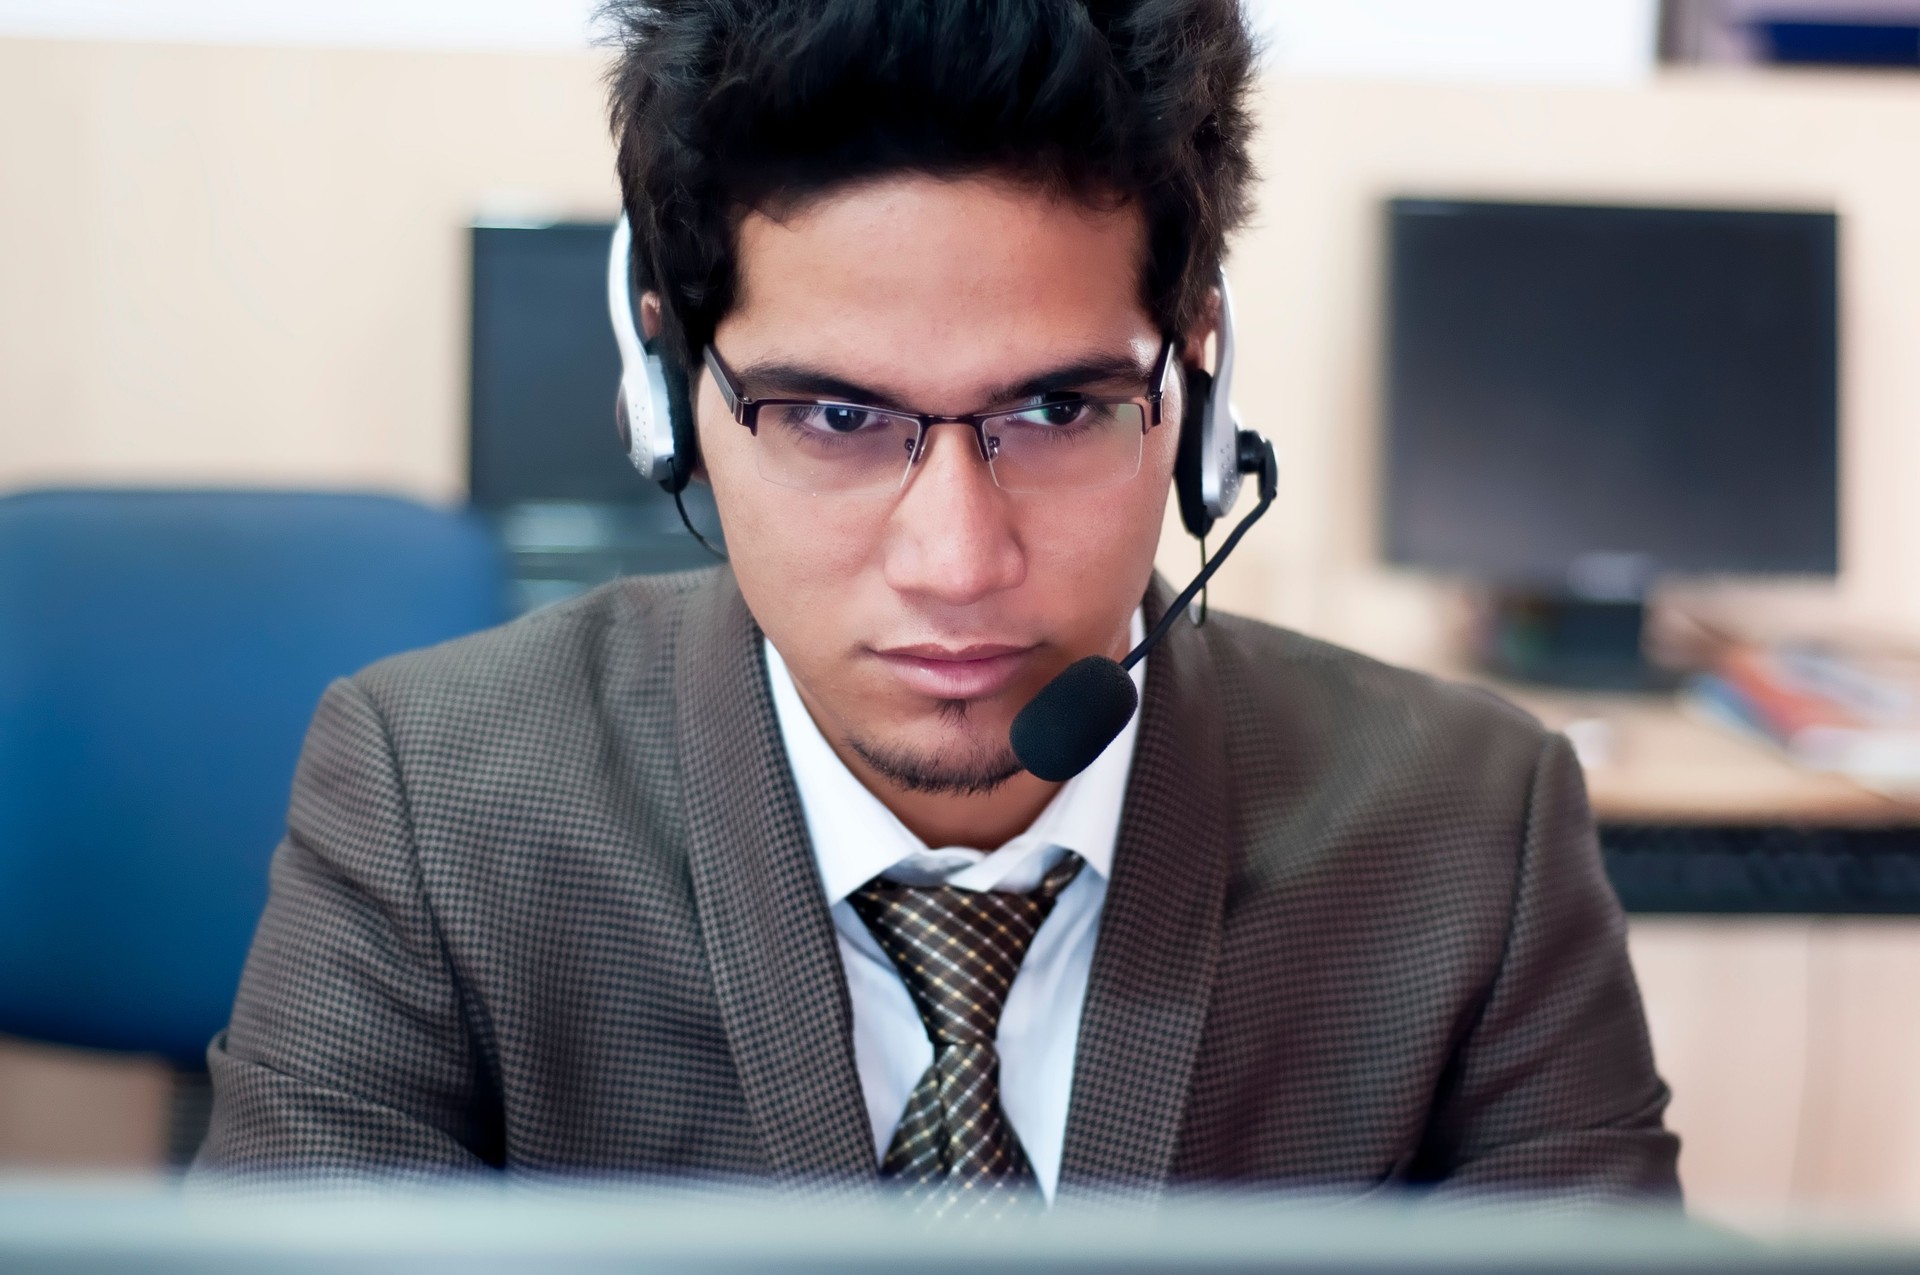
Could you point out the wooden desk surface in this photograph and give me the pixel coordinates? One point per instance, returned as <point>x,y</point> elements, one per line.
<point>1660,764</point>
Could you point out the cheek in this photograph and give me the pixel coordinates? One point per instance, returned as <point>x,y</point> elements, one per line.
<point>800,545</point>
<point>1162,446</point>
<point>1116,532</point>
<point>792,553</point>
<point>1101,540</point>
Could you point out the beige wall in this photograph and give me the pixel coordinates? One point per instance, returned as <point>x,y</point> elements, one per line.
<point>247,266</point>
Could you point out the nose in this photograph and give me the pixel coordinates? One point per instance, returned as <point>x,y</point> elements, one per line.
<point>953,538</point>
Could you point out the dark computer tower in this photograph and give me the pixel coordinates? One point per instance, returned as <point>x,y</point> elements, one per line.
<point>544,462</point>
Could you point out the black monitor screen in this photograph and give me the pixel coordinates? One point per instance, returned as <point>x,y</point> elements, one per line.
<point>545,371</point>
<point>1650,389</point>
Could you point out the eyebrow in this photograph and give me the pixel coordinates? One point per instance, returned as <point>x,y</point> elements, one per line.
<point>775,378</point>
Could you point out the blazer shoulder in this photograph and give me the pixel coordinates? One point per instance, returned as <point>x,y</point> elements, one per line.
<point>543,662</point>
<point>1292,696</point>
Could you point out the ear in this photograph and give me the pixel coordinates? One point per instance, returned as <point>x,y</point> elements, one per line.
<point>1195,342</point>
<point>650,316</point>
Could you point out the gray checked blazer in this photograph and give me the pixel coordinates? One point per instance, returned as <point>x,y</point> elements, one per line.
<point>546,904</point>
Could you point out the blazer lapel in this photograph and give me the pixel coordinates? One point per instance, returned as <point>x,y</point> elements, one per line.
<point>763,915</point>
<point>1153,966</point>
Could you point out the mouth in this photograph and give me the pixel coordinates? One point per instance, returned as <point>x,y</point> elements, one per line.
<point>957,673</point>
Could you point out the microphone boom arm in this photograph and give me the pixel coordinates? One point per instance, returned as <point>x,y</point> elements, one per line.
<point>1086,705</point>
<point>1256,454</point>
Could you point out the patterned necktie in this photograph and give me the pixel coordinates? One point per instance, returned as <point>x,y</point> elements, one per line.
<point>954,1153</point>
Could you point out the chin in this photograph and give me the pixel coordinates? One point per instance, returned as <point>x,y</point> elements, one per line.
<point>954,726</point>
<point>890,718</point>
<point>952,758</point>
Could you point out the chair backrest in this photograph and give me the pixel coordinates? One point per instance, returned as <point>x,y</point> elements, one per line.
<point>161,654</point>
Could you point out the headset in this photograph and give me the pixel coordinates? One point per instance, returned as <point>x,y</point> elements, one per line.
<point>652,410</point>
<point>1076,715</point>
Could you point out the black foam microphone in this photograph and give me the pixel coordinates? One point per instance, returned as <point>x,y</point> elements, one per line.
<point>1076,715</point>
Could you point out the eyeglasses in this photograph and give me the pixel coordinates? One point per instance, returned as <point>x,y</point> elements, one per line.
<point>1057,443</point>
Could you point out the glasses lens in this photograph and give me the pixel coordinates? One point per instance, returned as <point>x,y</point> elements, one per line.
<point>1076,443</point>
<point>837,447</point>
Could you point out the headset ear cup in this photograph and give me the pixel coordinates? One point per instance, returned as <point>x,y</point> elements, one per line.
<point>680,419</point>
<point>1192,453</point>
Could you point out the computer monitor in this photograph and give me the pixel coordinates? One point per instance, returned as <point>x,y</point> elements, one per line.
<point>1582,399</point>
<point>545,370</point>
<point>543,457</point>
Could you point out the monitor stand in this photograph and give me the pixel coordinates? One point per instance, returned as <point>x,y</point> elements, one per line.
<point>1558,639</point>
<point>559,549</point>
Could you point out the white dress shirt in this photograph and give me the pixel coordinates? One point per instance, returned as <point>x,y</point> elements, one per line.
<point>856,838</point>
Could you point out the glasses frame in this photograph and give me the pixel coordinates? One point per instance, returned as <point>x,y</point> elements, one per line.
<point>746,410</point>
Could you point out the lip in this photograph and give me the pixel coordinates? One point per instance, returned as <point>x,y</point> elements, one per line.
<point>965,672</point>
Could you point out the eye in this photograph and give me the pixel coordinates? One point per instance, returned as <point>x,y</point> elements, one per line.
<point>833,418</point>
<point>1060,413</point>
<point>844,420</point>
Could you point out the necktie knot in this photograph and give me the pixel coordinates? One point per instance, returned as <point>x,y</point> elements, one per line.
<point>959,950</point>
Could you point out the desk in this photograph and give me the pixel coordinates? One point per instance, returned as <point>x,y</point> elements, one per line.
<point>1695,819</point>
<point>1669,767</point>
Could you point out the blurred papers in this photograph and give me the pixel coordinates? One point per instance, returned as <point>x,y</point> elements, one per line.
<point>1856,715</point>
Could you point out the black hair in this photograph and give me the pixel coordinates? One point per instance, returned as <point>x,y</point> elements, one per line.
<point>722,106</point>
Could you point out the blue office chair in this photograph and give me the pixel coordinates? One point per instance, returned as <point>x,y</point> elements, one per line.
<point>161,654</point>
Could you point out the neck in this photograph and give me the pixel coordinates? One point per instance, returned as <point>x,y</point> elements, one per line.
<point>979,821</point>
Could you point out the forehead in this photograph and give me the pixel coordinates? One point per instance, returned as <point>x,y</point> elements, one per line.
<point>935,285</point>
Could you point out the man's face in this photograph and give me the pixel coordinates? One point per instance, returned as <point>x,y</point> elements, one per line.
<point>918,621</point>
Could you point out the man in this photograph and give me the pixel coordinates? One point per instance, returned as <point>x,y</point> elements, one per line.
<point>734,873</point>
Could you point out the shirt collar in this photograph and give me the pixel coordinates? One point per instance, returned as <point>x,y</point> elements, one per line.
<point>856,838</point>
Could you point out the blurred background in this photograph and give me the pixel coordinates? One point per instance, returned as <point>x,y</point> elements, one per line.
<point>1588,334</point>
